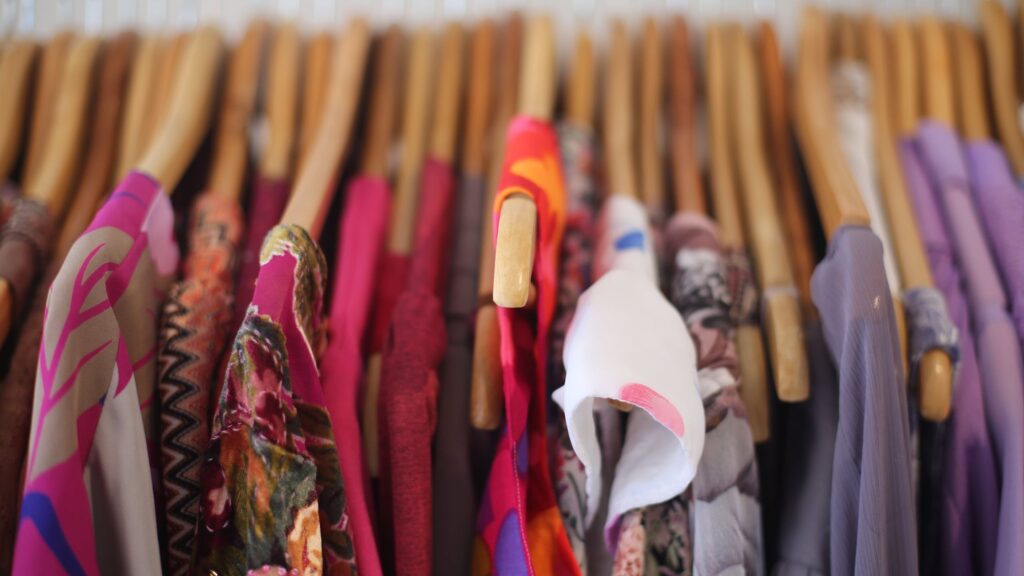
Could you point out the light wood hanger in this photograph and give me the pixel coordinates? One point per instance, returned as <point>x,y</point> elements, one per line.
<point>135,130</point>
<point>383,115</point>
<point>725,203</point>
<point>970,83</point>
<point>619,139</point>
<point>164,83</point>
<point>782,320</point>
<point>16,63</point>
<point>682,84</point>
<point>999,54</point>
<point>51,68</point>
<point>60,160</point>
<point>935,372</point>
<point>835,192</point>
<point>780,145</point>
<point>486,398</point>
<point>449,96</point>
<point>907,98</point>
<point>230,153</point>
<point>314,185</point>
<point>188,112</point>
<point>938,81</point>
<point>385,85</point>
<point>101,149</point>
<point>516,237</point>
<point>479,99</point>
<point>316,71</point>
<point>580,92</point>
<point>283,93</point>
<point>650,166</point>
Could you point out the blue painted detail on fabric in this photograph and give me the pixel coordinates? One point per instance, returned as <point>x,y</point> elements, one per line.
<point>632,240</point>
<point>523,453</point>
<point>509,556</point>
<point>37,508</point>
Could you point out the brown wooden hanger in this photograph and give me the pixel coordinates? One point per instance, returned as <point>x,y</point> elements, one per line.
<point>650,165</point>
<point>479,100</point>
<point>935,373</point>
<point>51,70</point>
<point>16,64</point>
<point>580,93</point>
<point>187,115</point>
<point>999,54</point>
<point>725,203</point>
<point>282,106</point>
<point>164,82</point>
<point>618,116</point>
<point>101,148</point>
<point>135,130</point>
<point>315,73</point>
<point>939,99</point>
<point>314,186</point>
<point>446,115</point>
<point>230,152</point>
<point>682,84</point>
<point>487,394</point>
<point>383,115</point>
<point>782,320</point>
<point>515,241</point>
<point>973,111</point>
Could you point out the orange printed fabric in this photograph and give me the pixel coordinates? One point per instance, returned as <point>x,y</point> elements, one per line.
<point>519,528</point>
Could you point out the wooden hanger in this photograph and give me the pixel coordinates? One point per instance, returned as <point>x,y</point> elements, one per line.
<point>60,160</point>
<point>314,186</point>
<point>383,114</point>
<point>164,83</point>
<point>283,68</point>
<point>999,51</point>
<point>619,140</point>
<point>938,78</point>
<point>479,97</point>
<point>780,146</point>
<point>51,68</point>
<point>317,69</point>
<point>101,149</point>
<point>515,240</point>
<point>188,112</point>
<point>907,97</point>
<point>449,96</point>
<point>970,84</point>
<point>230,153</point>
<point>782,320</point>
<point>135,130</point>
<point>650,167</point>
<point>935,373</point>
<point>16,63</point>
<point>682,84</point>
<point>580,93</point>
<point>836,195</point>
<point>487,394</point>
<point>725,203</point>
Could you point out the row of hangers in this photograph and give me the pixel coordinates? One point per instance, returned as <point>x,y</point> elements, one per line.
<point>753,181</point>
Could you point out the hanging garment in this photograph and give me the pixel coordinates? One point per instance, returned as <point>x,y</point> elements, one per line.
<point>272,488</point>
<point>519,529</point>
<point>195,329</point>
<point>577,150</point>
<point>408,384</point>
<point>364,224</point>
<point>454,493</point>
<point>872,511</point>
<point>266,204</point>
<point>808,452</point>
<point>1001,207</point>
<point>970,503</point>
<point>88,506</point>
<point>999,354</point>
<point>24,244</point>
<point>9,196</point>
<point>627,343</point>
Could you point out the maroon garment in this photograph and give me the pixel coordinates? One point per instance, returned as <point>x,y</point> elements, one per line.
<point>391,282</point>
<point>266,204</point>
<point>408,387</point>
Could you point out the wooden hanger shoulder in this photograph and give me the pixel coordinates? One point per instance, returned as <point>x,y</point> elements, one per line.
<point>230,153</point>
<point>385,86</point>
<point>138,103</point>
<point>970,83</point>
<point>316,70</point>
<point>16,64</point>
<point>907,94</point>
<point>47,83</point>
<point>447,103</point>
<point>938,65</point>
<point>581,89</point>
<point>722,178</point>
<point>682,88</point>
<point>999,55</point>
<point>650,167</point>
<point>283,91</point>
<point>479,99</point>
<point>314,186</point>
<point>619,138</point>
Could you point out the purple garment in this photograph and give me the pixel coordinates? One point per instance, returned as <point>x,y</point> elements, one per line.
<point>997,346</point>
<point>1001,205</point>
<point>970,509</point>
<point>872,525</point>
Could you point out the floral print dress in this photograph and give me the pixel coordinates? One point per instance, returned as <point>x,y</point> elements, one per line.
<point>272,493</point>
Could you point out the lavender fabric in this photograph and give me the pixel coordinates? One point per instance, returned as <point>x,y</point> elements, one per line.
<point>999,359</point>
<point>810,440</point>
<point>872,513</point>
<point>1001,207</point>
<point>970,502</point>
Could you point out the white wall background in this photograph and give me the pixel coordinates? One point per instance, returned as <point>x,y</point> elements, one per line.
<point>41,18</point>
